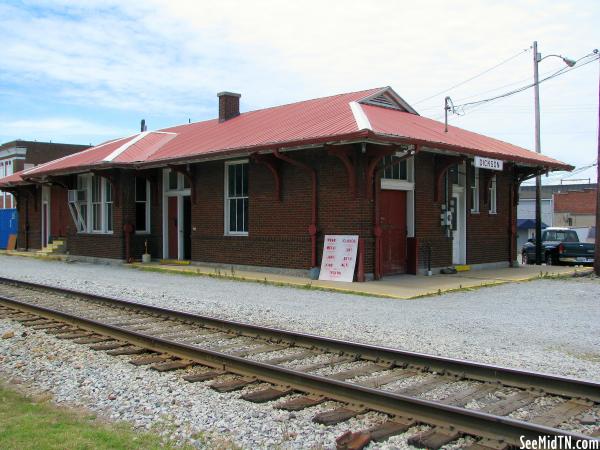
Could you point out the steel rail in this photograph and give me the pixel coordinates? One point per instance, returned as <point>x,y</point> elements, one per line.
<point>551,384</point>
<point>464,420</point>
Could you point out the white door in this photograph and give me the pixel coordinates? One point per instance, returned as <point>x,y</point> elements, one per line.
<point>459,235</point>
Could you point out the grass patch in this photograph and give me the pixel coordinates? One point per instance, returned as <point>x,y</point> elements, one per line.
<point>26,423</point>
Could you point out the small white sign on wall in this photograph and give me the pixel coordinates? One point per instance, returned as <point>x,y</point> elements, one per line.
<point>488,163</point>
<point>339,258</point>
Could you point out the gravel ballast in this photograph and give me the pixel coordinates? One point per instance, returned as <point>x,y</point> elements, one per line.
<point>546,325</point>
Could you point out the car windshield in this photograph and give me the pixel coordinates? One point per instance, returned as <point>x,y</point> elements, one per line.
<point>562,236</point>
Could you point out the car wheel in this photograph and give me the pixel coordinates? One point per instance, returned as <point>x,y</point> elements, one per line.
<point>549,260</point>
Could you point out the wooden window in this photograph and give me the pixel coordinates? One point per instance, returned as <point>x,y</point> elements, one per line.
<point>142,205</point>
<point>397,171</point>
<point>493,196</point>
<point>236,197</point>
<point>475,190</point>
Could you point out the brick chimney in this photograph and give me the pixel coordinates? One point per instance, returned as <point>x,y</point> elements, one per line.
<point>229,105</point>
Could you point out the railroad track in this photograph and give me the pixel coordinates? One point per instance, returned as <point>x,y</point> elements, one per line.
<point>496,406</point>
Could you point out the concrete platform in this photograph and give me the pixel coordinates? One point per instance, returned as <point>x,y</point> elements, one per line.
<point>398,286</point>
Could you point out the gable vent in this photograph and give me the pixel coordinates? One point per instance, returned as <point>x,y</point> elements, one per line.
<point>385,101</point>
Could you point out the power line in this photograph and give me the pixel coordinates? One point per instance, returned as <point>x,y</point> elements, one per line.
<point>472,78</point>
<point>562,71</point>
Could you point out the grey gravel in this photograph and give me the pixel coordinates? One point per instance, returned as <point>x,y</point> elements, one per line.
<point>546,325</point>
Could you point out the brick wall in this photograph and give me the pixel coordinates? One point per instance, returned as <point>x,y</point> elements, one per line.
<point>488,235</point>
<point>30,219</point>
<point>278,230</point>
<point>427,215</point>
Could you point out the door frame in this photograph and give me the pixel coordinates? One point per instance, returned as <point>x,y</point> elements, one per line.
<point>459,193</point>
<point>179,193</point>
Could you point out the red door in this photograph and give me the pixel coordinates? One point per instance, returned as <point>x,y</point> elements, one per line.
<point>59,212</point>
<point>392,213</point>
<point>173,232</point>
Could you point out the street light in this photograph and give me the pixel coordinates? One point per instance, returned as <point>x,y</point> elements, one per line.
<point>537,58</point>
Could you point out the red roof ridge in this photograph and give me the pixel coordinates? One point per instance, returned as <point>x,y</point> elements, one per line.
<point>368,93</point>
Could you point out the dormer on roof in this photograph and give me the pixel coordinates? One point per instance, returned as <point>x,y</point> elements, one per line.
<point>388,98</point>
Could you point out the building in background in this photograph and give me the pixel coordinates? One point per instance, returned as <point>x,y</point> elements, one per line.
<point>563,205</point>
<point>19,155</point>
<point>577,210</point>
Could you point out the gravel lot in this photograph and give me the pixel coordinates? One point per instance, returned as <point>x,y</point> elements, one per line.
<point>547,325</point>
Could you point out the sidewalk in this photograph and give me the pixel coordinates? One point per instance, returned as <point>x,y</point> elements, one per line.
<point>398,286</point>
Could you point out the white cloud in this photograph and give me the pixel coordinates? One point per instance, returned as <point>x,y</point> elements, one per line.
<point>169,57</point>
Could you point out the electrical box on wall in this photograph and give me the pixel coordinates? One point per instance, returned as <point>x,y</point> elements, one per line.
<point>446,217</point>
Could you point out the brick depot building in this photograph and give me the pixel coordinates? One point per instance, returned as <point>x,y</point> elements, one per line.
<point>263,188</point>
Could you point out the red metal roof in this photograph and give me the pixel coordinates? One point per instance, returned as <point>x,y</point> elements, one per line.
<point>12,180</point>
<point>326,119</point>
<point>430,132</point>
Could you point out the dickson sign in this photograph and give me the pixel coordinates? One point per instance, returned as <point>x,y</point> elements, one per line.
<point>488,163</point>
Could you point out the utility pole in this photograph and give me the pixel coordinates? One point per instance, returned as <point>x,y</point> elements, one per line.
<point>597,252</point>
<point>538,149</point>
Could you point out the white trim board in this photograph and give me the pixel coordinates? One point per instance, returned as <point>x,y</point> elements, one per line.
<point>362,121</point>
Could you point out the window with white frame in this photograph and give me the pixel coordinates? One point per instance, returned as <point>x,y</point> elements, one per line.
<point>236,197</point>
<point>108,206</point>
<point>175,181</point>
<point>93,209</point>
<point>398,171</point>
<point>82,185</point>
<point>475,190</point>
<point>493,196</point>
<point>142,205</point>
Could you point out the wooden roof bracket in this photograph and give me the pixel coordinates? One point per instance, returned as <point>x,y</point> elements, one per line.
<point>111,178</point>
<point>375,157</point>
<point>183,170</point>
<point>442,165</point>
<point>272,164</point>
<point>343,154</point>
<point>54,181</point>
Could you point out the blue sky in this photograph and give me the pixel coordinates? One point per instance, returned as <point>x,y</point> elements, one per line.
<point>87,71</point>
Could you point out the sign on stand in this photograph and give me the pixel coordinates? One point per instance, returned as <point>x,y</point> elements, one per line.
<point>339,258</point>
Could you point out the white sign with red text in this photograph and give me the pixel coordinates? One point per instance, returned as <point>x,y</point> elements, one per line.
<point>339,258</point>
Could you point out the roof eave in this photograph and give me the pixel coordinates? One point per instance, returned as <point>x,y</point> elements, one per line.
<point>470,151</point>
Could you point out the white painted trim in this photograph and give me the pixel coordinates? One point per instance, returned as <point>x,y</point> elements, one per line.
<point>226,231</point>
<point>399,100</point>
<point>459,193</point>
<point>362,121</point>
<point>125,146</point>
<point>148,206</point>
<point>179,194</point>
<point>13,151</point>
<point>116,153</point>
<point>397,185</point>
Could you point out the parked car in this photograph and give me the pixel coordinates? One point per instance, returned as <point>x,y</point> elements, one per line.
<point>559,246</point>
